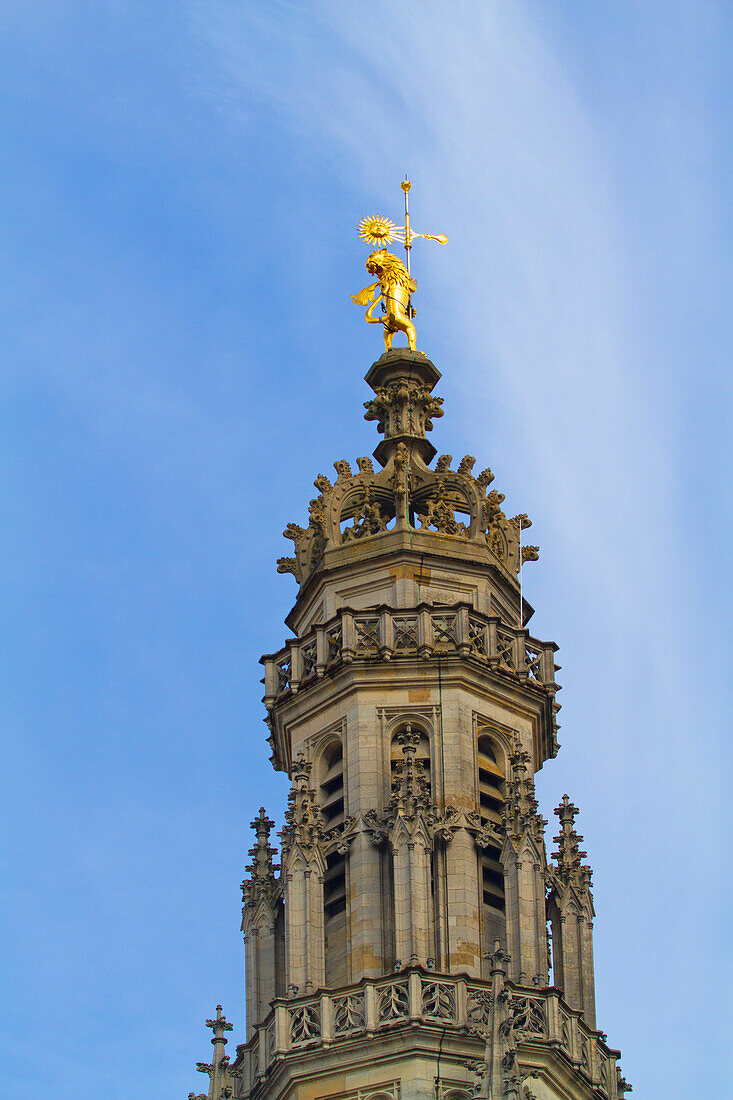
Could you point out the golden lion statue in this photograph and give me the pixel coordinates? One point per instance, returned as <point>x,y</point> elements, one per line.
<point>395,288</point>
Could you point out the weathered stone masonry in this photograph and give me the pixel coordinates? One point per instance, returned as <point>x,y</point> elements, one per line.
<point>414,940</point>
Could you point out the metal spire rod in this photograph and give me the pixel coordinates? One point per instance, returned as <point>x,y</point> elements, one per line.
<point>406,185</point>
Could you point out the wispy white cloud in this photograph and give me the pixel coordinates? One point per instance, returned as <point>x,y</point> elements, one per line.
<point>163,159</point>
<point>533,293</point>
<point>534,308</point>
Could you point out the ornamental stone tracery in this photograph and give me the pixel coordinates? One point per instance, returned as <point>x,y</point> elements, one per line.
<point>450,503</point>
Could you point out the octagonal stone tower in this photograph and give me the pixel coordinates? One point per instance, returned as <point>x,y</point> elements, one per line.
<point>415,941</point>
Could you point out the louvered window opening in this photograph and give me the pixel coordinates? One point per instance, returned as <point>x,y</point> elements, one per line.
<point>491,800</point>
<point>334,879</point>
<point>332,787</point>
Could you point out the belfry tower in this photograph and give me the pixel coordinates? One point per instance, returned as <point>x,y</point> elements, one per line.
<point>415,942</point>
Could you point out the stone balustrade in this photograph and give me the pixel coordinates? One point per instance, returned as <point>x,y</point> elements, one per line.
<point>387,633</point>
<point>541,1017</point>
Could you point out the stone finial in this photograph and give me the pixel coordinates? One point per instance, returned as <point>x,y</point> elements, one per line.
<point>218,1069</point>
<point>322,484</point>
<point>498,959</point>
<point>262,824</point>
<point>408,739</point>
<point>519,812</point>
<point>304,823</point>
<point>301,768</point>
<point>261,882</point>
<point>288,565</point>
<point>343,469</point>
<point>219,1026</point>
<point>410,790</point>
<point>569,855</point>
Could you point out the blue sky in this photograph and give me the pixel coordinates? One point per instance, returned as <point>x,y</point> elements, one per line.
<point>181,186</point>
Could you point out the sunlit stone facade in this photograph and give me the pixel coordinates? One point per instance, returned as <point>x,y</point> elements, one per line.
<point>414,941</point>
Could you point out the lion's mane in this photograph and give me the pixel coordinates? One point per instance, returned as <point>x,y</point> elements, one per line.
<point>383,263</point>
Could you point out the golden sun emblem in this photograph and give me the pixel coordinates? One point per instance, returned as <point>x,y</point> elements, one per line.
<point>379,232</point>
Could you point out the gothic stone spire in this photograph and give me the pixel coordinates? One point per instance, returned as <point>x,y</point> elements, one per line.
<point>569,856</point>
<point>571,913</point>
<point>304,826</point>
<point>218,1069</point>
<point>410,792</point>
<point>261,883</point>
<point>519,813</point>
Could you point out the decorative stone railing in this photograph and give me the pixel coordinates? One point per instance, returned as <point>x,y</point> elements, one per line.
<point>298,1025</point>
<point>387,633</point>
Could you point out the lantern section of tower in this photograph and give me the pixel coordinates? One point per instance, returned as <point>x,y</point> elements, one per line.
<point>414,939</point>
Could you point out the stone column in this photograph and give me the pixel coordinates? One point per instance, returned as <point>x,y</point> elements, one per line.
<point>524,893</point>
<point>267,985</point>
<point>411,847</point>
<point>464,932</point>
<point>295,922</point>
<point>420,910</point>
<point>588,982</point>
<point>315,977</point>
<point>401,842</point>
<point>304,932</point>
<point>303,865</point>
<point>567,930</point>
<point>365,908</point>
<point>524,862</point>
<point>364,781</point>
<point>252,982</point>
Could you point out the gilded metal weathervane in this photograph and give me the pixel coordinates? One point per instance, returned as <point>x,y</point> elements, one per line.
<point>394,280</point>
